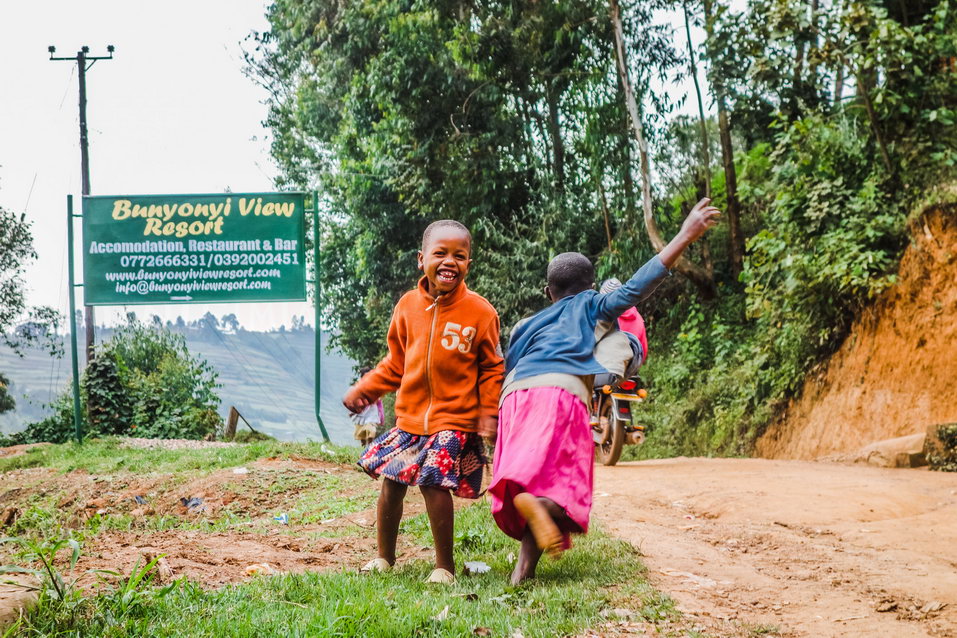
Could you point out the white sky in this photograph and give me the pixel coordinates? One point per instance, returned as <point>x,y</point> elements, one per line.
<point>171,113</point>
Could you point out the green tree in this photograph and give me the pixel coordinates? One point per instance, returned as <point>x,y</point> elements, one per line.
<point>20,325</point>
<point>504,115</point>
<point>6,401</point>
<point>534,123</point>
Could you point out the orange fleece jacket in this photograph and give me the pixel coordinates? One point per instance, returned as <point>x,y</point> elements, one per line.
<point>444,359</point>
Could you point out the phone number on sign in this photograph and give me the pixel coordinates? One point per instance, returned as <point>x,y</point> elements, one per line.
<point>214,259</point>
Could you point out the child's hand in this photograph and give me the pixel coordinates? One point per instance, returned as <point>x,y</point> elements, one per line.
<point>354,401</point>
<point>488,427</point>
<point>702,217</point>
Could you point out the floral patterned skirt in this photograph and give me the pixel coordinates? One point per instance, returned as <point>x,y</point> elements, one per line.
<point>449,459</point>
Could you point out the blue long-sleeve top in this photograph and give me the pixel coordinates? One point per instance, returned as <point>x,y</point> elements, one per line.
<point>562,337</point>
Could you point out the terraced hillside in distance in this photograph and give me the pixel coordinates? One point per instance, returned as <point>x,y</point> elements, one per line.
<point>268,376</point>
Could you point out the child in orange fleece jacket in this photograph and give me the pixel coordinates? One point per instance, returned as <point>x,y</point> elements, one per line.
<point>446,363</point>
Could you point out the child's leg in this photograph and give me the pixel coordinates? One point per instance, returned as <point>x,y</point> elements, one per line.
<point>534,508</point>
<point>388,516</point>
<point>438,503</point>
<point>527,559</point>
<point>559,515</point>
<point>543,517</point>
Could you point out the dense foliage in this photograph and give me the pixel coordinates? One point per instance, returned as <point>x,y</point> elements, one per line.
<point>833,120</point>
<point>506,116</point>
<point>143,382</point>
<point>827,189</point>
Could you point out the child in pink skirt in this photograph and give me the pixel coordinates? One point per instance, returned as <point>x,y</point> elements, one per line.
<point>541,488</point>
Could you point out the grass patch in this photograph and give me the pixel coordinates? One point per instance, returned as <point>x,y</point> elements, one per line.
<point>567,597</point>
<point>333,506</point>
<point>106,456</point>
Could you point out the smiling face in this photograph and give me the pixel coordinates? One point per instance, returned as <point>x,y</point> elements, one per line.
<point>445,259</point>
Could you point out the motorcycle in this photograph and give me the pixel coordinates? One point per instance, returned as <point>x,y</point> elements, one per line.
<point>612,425</point>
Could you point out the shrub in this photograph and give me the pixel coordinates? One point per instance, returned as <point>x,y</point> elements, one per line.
<point>942,449</point>
<point>143,382</point>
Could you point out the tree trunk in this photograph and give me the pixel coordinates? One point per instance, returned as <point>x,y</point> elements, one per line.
<point>872,118</point>
<point>813,60</point>
<point>705,142</point>
<point>605,212</point>
<point>838,84</point>
<point>733,208</point>
<point>695,274</point>
<point>555,133</point>
<point>627,178</point>
<point>797,80</point>
<point>804,45</point>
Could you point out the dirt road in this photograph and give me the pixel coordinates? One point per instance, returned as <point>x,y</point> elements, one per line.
<point>792,548</point>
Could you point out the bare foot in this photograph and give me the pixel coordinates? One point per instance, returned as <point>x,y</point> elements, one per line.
<point>527,559</point>
<point>547,535</point>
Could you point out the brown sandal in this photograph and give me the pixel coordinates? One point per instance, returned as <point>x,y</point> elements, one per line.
<point>547,535</point>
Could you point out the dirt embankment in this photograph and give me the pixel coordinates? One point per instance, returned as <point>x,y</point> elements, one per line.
<point>895,374</point>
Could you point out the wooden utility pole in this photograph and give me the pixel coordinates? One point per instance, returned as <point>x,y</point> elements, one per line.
<point>705,141</point>
<point>81,58</point>
<point>695,273</point>
<point>733,206</point>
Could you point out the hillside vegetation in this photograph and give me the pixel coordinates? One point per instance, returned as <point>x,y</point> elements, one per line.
<point>894,374</point>
<point>527,121</point>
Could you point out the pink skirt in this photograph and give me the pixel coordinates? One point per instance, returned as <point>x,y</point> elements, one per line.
<point>544,447</point>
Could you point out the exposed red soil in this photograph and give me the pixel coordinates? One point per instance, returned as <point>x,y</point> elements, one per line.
<point>802,549</point>
<point>895,374</point>
<point>248,494</point>
<point>17,450</point>
<point>217,558</point>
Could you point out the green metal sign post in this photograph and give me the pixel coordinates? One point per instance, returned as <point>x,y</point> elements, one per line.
<point>204,248</point>
<point>77,417</point>
<point>318,289</point>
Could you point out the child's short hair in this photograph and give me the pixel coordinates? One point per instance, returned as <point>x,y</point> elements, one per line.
<point>444,223</point>
<point>569,274</point>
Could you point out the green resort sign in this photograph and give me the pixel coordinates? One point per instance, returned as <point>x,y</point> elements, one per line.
<point>160,249</point>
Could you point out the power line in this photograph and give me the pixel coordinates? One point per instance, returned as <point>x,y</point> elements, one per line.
<point>58,360</point>
<point>66,89</point>
<point>30,194</point>
<point>294,350</point>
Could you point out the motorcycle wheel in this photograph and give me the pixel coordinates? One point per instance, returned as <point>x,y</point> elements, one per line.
<point>609,452</point>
